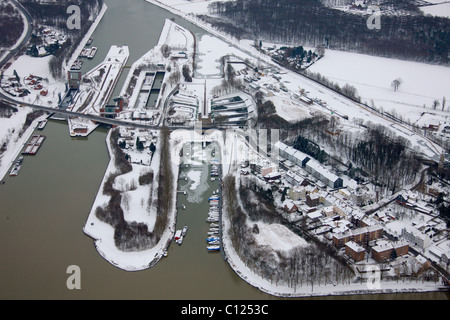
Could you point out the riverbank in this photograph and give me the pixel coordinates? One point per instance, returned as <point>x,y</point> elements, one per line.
<point>9,129</point>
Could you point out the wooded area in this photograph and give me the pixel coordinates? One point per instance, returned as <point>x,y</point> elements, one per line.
<point>308,22</point>
<point>11,25</point>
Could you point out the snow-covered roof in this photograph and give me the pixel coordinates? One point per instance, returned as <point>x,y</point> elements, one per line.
<point>354,246</point>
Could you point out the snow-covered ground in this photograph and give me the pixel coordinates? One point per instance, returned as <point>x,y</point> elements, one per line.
<point>26,66</point>
<point>372,77</point>
<point>441,8</point>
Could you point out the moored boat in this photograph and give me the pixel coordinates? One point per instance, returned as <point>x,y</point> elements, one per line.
<point>183,232</point>
<point>213,248</point>
<point>91,54</point>
<point>42,124</point>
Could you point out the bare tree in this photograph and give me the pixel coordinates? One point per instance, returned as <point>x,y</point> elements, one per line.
<point>435,104</point>
<point>396,83</point>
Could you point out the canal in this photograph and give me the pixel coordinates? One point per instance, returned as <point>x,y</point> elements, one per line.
<point>43,209</point>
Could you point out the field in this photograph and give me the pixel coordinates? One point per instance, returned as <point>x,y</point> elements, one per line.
<point>372,77</point>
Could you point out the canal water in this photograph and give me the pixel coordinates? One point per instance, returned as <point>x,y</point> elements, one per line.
<point>43,209</point>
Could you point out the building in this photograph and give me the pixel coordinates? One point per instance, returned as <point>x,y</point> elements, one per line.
<point>312,199</point>
<point>300,192</point>
<point>289,206</point>
<point>111,111</point>
<point>360,235</point>
<point>74,79</point>
<point>382,251</point>
<point>294,179</point>
<point>385,250</point>
<point>328,178</point>
<point>401,247</point>
<point>297,157</point>
<point>416,238</point>
<point>354,251</point>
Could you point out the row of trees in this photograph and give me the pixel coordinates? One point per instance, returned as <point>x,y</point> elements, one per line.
<point>414,37</point>
<point>387,158</point>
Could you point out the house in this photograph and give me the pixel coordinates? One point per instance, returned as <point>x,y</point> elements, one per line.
<point>354,251</point>
<point>294,179</point>
<point>312,199</point>
<point>289,206</point>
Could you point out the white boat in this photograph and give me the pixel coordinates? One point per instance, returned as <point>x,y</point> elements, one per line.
<point>42,124</point>
<point>92,53</point>
<point>214,225</point>
<point>183,232</point>
<point>179,241</point>
<point>177,235</point>
<point>209,219</point>
<point>213,248</point>
<point>213,233</point>
<point>213,229</point>
<point>214,242</point>
<point>14,170</point>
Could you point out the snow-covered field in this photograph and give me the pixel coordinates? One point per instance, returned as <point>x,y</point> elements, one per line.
<point>440,9</point>
<point>372,77</point>
<point>26,66</point>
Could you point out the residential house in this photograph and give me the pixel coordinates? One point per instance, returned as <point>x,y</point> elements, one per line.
<point>289,206</point>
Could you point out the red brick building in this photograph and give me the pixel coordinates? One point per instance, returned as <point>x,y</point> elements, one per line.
<point>354,251</point>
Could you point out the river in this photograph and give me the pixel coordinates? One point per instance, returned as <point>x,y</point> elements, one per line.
<point>43,209</point>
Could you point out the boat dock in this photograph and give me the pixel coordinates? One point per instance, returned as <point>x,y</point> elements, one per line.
<point>33,146</point>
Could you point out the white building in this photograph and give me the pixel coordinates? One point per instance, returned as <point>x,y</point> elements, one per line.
<point>330,179</point>
<point>416,238</point>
